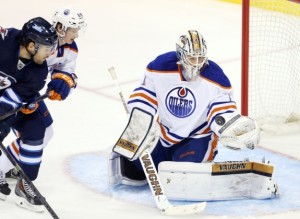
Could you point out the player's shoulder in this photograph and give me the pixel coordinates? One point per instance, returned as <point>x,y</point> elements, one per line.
<point>3,33</point>
<point>164,63</point>
<point>8,33</point>
<point>72,47</point>
<point>9,47</point>
<point>215,74</point>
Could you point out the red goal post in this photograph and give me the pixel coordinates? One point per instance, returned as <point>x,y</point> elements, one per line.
<point>271,63</point>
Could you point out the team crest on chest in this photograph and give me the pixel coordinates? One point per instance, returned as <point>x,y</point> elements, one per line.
<point>180,102</point>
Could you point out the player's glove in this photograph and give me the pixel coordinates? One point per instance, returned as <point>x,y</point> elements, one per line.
<point>4,130</point>
<point>61,84</point>
<point>30,106</point>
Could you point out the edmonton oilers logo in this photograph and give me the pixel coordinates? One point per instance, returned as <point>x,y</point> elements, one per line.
<point>181,102</point>
<point>66,12</point>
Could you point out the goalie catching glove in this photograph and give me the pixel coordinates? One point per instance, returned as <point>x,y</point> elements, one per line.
<point>61,84</point>
<point>236,131</point>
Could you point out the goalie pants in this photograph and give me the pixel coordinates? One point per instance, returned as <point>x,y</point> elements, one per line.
<point>27,149</point>
<point>196,150</point>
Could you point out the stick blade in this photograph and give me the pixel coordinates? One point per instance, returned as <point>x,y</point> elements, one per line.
<point>184,209</point>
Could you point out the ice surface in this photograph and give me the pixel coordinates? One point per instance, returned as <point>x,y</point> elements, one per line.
<point>128,34</point>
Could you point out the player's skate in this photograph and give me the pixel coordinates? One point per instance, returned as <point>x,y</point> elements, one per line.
<point>4,188</point>
<point>26,197</point>
<point>12,175</point>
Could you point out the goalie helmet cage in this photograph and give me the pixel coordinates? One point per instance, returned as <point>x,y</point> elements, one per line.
<point>271,63</point>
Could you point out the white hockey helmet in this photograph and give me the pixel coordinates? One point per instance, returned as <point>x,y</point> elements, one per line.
<point>191,51</point>
<point>69,17</point>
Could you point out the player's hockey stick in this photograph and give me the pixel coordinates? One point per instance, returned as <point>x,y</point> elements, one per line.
<point>42,97</point>
<point>32,186</point>
<point>22,174</point>
<point>154,182</point>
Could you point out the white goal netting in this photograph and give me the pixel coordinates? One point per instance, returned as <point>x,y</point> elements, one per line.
<point>274,64</point>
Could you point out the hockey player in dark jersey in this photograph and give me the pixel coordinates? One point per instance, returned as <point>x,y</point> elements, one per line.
<point>69,23</point>
<point>23,74</point>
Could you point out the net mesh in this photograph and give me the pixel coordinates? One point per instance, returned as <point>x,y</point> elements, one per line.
<point>274,61</point>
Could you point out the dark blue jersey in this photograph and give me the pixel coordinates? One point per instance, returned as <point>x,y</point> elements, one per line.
<point>20,81</point>
<point>30,78</point>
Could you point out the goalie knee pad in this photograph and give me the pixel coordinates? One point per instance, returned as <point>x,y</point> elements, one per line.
<point>123,171</point>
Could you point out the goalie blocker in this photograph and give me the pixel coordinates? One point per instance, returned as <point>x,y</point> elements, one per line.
<point>133,140</point>
<point>139,134</point>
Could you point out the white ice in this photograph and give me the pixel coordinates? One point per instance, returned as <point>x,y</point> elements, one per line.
<point>126,34</point>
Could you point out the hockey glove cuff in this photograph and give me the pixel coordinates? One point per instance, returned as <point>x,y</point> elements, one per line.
<point>61,84</point>
<point>30,106</point>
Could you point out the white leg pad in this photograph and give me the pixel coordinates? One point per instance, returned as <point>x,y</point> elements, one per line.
<point>217,181</point>
<point>115,176</point>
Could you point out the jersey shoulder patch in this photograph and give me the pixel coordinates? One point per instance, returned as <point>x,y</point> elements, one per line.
<point>215,74</point>
<point>164,63</point>
<point>3,32</point>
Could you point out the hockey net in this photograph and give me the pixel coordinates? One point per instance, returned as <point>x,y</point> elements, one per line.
<point>271,64</point>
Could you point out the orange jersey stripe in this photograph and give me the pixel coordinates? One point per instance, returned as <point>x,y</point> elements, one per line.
<point>15,148</point>
<point>144,96</point>
<point>213,147</point>
<point>219,109</point>
<point>164,134</point>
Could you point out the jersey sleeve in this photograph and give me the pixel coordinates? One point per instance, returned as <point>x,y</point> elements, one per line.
<point>224,102</point>
<point>7,55</point>
<point>9,101</point>
<point>144,96</point>
<point>68,65</point>
<point>62,64</point>
<point>221,105</point>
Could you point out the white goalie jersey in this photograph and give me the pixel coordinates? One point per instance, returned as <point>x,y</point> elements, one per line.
<point>185,109</point>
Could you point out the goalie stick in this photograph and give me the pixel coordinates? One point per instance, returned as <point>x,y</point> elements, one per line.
<point>19,169</point>
<point>153,180</point>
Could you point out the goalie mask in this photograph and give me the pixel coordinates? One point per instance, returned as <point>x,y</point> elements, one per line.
<point>191,51</point>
